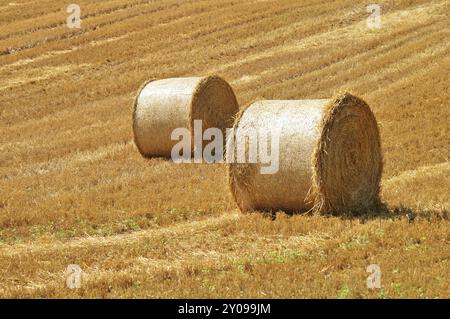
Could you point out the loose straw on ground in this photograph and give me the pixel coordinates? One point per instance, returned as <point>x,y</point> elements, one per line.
<point>329,157</point>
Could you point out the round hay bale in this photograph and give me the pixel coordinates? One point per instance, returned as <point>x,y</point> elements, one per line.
<point>164,105</point>
<point>329,157</point>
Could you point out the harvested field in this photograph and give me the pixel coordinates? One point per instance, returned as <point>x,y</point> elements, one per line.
<point>74,189</point>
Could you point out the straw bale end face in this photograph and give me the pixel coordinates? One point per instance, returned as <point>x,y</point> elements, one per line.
<point>347,161</point>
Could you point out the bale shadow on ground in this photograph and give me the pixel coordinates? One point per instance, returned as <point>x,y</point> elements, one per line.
<point>381,211</point>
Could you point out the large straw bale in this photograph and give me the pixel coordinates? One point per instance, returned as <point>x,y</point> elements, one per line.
<point>164,105</point>
<point>329,157</point>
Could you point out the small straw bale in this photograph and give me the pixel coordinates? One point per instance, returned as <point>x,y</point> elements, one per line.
<point>330,157</point>
<point>164,105</point>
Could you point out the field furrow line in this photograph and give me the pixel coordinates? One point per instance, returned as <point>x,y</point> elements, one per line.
<point>164,249</point>
<point>49,39</point>
<point>426,170</point>
<point>128,239</point>
<point>283,71</point>
<point>357,73</point>
<point>402,67</point>
<point>357,31</point>
<point>56,14</point>
<point>182,19</point>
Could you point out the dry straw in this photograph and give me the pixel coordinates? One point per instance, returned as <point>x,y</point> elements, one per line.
<point>164,105</point>
<point>330,157</point>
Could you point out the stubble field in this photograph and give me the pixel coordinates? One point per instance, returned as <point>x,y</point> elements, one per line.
<point>75,190</point>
